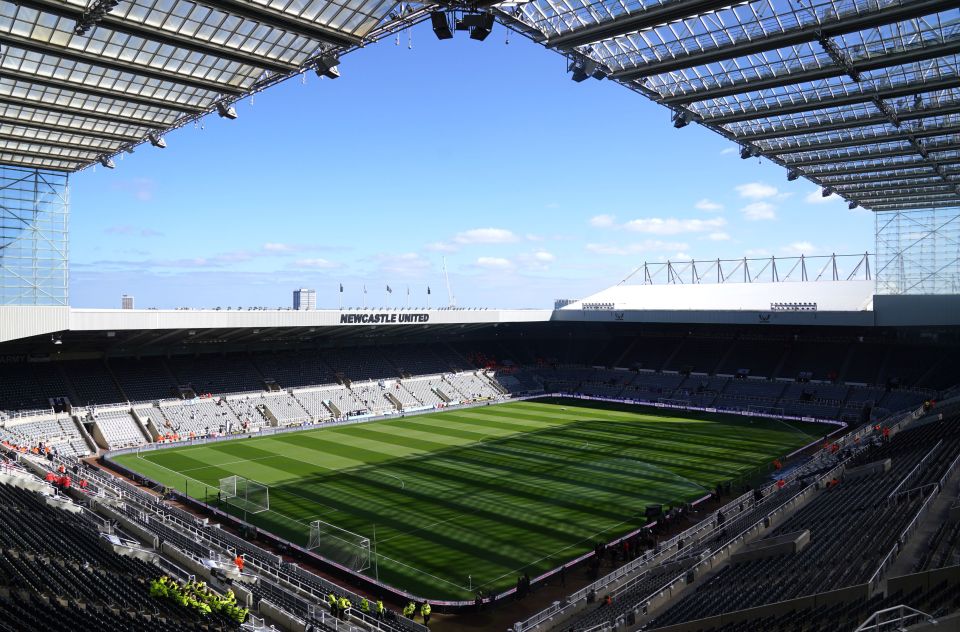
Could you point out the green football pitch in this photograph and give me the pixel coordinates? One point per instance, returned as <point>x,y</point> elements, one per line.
<point>468,499</point>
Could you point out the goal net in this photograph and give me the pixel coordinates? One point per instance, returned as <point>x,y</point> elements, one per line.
<point>339,545</point>
<point>244,493</point>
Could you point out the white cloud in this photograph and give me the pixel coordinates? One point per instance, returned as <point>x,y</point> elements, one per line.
<point>798,248</point>
<point>726,151</point>
<point>708,205</point>
<point>673,226</point>
<point>494,263</point>
<point>440,246</point>
<point>816,197</point>
<point>758,252</point>
<point>485,236</point>
<point>682,256</point>
<point>602,221</point>
<point>756,190</point>
<point>759,211</point>
<point>276,247</point>
<point>317,263</point>
<point>543,256</point>
<point>649,245</point>
<point>718,236</point>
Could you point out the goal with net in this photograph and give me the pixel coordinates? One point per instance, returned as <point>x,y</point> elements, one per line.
<point>339,545</point>
<point>246,494</point>
<point>775,411</point>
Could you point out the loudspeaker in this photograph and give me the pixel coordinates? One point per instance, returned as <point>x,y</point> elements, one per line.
<point>441,25</point>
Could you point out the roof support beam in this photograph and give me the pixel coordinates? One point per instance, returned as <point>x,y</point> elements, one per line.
<point>62,129</point>
<point>35,165</point>
<point>808,33</point>
<point>876,119</point>
<point>39,154</point>
<point>816,74</point>
<point>946,197</point>
<point>52,143</point>
<point>637,21</point>
<point>838,181</point>
<point>269,17</point>
<point>888,190</point>
<point>870,140</point>
<point>916,164</point>
<point>143,31</point>
<point>123,120</point>
<point>887,153</point>
<point>833,102</point>
<point>912,207</point>
<point>99,92</point>
<point>6,39</point>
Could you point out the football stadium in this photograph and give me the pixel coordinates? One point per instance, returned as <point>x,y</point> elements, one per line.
<point>758,444</point>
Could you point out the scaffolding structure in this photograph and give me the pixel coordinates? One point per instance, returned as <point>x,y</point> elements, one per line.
<point>918,251</point>
<point>754,270</point>
<point>34,211</point>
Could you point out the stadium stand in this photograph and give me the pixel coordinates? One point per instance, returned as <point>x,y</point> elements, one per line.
<point>117,428</point>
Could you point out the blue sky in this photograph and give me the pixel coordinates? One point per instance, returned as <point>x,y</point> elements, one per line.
<point>532,186</point>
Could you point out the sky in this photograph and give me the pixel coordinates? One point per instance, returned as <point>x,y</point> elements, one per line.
<point>482,154</point>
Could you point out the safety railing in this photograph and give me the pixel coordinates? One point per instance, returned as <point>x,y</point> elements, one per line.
<point>917,469</point>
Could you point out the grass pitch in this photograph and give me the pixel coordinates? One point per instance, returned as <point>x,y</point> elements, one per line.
<point>468,499</point>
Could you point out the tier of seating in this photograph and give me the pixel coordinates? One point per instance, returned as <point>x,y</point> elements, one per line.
<point>58,432</point>
<point>57,573</point>
<point>118,428</point>
<point>853,525</point>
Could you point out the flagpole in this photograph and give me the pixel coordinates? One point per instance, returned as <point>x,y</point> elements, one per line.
<point>340,297</point>
<point>364,297</point>
<point>408,297</point>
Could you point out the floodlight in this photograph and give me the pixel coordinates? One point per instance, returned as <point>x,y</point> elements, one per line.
<point>226,111</point>
<point>483,27</point>
<point>441,25</point>
<point>106,162</point>
<point>583,69</point>
<point>681,119</point>
<point>156,140</point>
<point>852,205</point>
<point>327,67</point>
<point>827,192</point>
<point>792,175</point>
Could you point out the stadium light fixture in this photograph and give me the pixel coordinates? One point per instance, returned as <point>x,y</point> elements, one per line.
<point>827,192</point>
<point>106,161</point>
<point>156,140</point>
<point>749,151</point>
<point>681,118</point>
<point>792,175</point>
<point>226,111</point>
<point>92,16</point>
<point>483,28</point>
<point>852,205</point>
<point>583,69</point>
<point>441,25</point>
<point>328,66</point>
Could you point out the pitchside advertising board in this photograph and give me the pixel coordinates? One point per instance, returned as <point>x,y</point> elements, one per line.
<point>383,318</point>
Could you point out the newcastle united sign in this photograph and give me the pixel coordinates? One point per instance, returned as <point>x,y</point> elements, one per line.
<point>383,318</point>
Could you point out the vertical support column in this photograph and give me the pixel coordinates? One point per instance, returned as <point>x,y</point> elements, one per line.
<point>34,238</point>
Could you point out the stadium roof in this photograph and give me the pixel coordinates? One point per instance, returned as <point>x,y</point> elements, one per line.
<point>861,97</point>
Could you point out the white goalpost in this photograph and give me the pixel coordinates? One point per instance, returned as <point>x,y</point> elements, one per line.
<point>339,545</point>
<point>249,495</point>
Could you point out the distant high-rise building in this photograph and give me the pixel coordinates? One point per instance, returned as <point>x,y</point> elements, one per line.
<point>304,299</point>
<point>126,302</point>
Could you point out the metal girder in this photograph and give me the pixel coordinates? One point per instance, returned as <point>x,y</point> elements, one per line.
<point>919,163</point>
<point>891,182</point>
<point>854,142</point>
<point>841,125</point>
<point>99,92</point>
<point>117,138</point>
<point>143,31</point>
<point>115,65</point>
<point>35,165</point>
<point>912,207</point>
<point>643,19</point>
<point>837,101</point>
<point>942,187</point>
<point>52,143</point>
<point>38,154</point>
<point>842,180</point>
<point>808,33</point>
<point>269,17</point>
<point>816,74</point>
<point>84,113</point>
<point>887,153</point>
<point>946,197</point>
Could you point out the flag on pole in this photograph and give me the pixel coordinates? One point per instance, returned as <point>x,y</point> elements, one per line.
<point>408,290</point>
<point>389,289</point>
<point>341,288</point>
<point>428,290</point>
<point>364,289</point>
